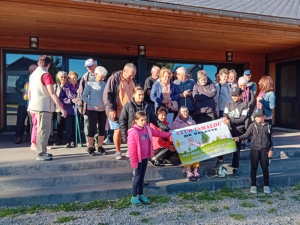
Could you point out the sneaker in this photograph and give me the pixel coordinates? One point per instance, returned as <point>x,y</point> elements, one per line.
<point>267,190</point>
<point>166,162</point>
<point>49,154</point>
<point>102,151</point>
<point>127,154</point>
<point>154,163</point>
<point>73,144</point>
<point>135,201</point>
<point>235,173</point>
<point>144,200</point>
<point>43,157</point>
<point>68,145</point>
<point>108,142</point>
<point>91,151</point>
<point>18,140</point>
<point>118,155</point>
<point>196,176</point>
<point>253,189</point>
<point>218,164</point>
<point>189,176</point>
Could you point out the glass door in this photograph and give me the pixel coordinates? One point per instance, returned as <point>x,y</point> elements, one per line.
<point>287,95</point>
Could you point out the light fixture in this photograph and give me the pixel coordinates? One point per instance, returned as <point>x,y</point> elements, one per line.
<point>34,42</point>
<point>142,50</point>
<point>229,56</point>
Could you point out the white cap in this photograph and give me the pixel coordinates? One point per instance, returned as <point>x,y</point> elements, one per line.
<point>89,62</point>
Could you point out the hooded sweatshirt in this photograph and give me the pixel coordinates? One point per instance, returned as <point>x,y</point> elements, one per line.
<point>178,123</point>
<point>237,113</point>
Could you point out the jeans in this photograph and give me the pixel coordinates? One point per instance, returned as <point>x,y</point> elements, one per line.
<point>86,130</point>
<point>138,179</point>
<point>259,156</point>
<point>70,128</point>
<point>21,117</point>
<point>44,130</point>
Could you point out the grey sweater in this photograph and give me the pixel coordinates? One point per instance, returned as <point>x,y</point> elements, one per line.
<point>93,95</point>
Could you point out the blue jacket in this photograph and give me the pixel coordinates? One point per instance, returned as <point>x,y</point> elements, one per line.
<point>188,85</point>
<point>156,94</point>
<point>268,103</point>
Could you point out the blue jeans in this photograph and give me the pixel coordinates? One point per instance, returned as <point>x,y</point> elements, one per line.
<point>21,117</point>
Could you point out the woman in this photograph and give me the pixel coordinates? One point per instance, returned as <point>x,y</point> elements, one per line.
<point>62,78</point>
<point>247,96</point>
<point>266,98</point>
<point>204,94</point>
<point>164,91</point>
<point>93,97</point>
<point>67,96</point>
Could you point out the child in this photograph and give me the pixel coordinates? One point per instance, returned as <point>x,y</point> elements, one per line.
<point>261,148</point>
<point>184,120</point>
<point>235,115</point>
<point>140,149</point>
<point>163,147</point>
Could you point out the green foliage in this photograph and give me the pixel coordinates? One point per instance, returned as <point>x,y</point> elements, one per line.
<point>279,190</point>
<point>296,198</point>
<point>297,187</point>
<point>189,148</point>
<point>145,220</point>
<point>134,213</point>
<point>179,214</point>
<point>204,138</point>
<point>214,209</point>
<point>205,196</point>
<point>65,219</point>
<point>186,196</point>
<point>160,199</point>
<point>271,210</point>
<point>226,207</point>
<point>237,216</point>
<point>247,204</point>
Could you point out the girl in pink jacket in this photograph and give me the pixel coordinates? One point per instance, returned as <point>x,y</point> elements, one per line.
<point>140,148</point>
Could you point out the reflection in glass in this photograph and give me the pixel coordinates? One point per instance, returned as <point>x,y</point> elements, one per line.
<point>288,81</point>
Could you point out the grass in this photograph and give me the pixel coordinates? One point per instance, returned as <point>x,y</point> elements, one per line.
<point>205,196</point>
<point>297,187</point>
<point>160,199</point>
<point>102,223</point>
<point>145,220</point>
<point>186,196</point>
<point>237,216</point>
<point>65,219</point>
<point>271,210</point>
<point>247,204</point>
<point>280,191</point>
<point>226,207</point>
<point>134,213</point>
<point>296,198</point>
<point>179,214</point>
<point>214,209</point>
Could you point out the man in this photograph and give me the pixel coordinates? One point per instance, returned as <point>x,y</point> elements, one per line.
<point>22,107</point>
<point>41,101</point>
<point>185,87</point>
<point>149,83</point>
<point>252,85</point>
<point>117,93</point>
<point>223,92</point>
<point>232,79</point>
<point>90,65</point>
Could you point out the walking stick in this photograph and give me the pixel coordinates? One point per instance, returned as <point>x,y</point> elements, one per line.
<point>77,127</point>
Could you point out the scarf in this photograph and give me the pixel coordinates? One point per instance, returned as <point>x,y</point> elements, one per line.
<point>245,95</point>
<point>258,104</point>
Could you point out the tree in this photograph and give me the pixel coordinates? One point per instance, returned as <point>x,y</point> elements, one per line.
<point>190,149</point>
<point>204,138</point>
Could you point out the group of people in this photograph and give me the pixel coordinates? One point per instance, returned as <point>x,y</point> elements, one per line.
<point>121,107</point>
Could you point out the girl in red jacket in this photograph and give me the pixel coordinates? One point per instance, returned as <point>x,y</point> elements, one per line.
<point>140,148</point>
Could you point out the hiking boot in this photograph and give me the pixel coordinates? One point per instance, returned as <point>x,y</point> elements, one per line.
<point>267,190</point>
<point>102,151</point>
<point>189,176</point>
<point>135,201</point>
<point>68,145</point>
<point>253,189</point>
<point>235,173</point>
<point>118,155</point>
<point>218,164</point>
<point>144,200</point>
<point>18,140</point>
<point>43,157</point>
<point>91,151</point>
<point>196,176</point>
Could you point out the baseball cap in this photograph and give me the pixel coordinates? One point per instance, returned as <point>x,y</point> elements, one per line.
<point>247,72</point>
<point>89,62</point>
<point>258,112</point>
<point>236,91</point>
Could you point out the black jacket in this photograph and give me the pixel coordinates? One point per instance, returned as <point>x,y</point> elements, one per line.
<point>127,115</point>
<point>148,86</point>
<point>237,113</point>
<point>262,136</point>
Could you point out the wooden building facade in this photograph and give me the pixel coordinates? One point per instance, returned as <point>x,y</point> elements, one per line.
<point>112,31</point>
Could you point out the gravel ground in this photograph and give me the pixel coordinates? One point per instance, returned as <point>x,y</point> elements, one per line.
<point>281,207</point>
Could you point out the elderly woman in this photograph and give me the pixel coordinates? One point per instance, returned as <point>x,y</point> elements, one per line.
<point>185,87</point>
<point>247,95</point>
<point>204,93</point>
<point>67,96</point>
<point>164,90</point>
<point>62,79</point>
<point>93,97</point>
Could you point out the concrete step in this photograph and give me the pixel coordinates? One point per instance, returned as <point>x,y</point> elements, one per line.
<point>70,163</point>
<point>103,191</point>
<point>105,175</point>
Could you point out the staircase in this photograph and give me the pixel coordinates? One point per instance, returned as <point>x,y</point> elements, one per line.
<point>74,176</point>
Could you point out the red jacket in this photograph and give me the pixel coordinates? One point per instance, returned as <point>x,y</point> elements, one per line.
<point>134,146</point>
<point>159,142</point>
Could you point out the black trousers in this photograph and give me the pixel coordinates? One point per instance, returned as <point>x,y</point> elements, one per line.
<point>236,155</point>
<point>163,153</point>
<point>21,117</point>
<point>138,179</point>
<point>60,124</point>
<point>204,117</point>
<point>259,156</point>
<point>70,128</point>
<point>96,117</point>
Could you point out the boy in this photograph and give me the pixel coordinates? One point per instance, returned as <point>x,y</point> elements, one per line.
<point>235,115</point>
<point>261,148</point>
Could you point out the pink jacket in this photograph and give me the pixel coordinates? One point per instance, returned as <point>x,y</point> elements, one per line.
<point>134,146</point>
<point>178,123</point>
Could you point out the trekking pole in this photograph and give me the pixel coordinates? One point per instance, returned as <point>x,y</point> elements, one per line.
<point>76,124</point>
<point>77,128</point>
